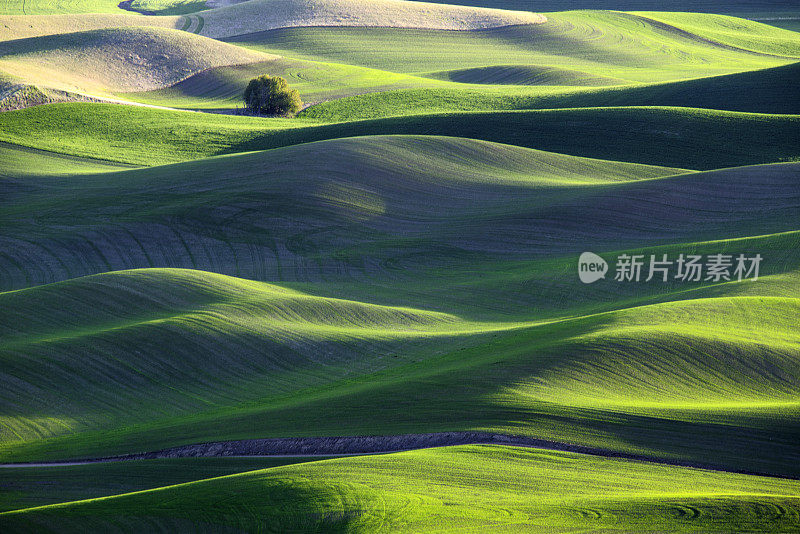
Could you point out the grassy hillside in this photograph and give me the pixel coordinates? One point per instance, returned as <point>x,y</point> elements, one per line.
<point>20,162</point>
<point>675,137</point>
<point>518,67</point>
<point>221,88</point>
<point>269,357</point>
<point>729,31</point>
<point>748,8</point>
<point>469,487</point>
<point>348,92</point>
<point>343,88</point>
<point>398,260</point>
<point>276,340</point>
<point>168,7</point>
<point>301,361</point>
<point>392,203</point>
<point>387,200</point>
<point>759,91</point>
<point>635,48</point>
<point>47,7</point>
<point>24,487</point>
<point>525,75</point>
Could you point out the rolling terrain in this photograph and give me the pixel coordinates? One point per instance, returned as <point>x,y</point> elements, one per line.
<point>117,59</point>
<point>485,68</point>
<point>397,264</point>
<point>469,487</point>
<point>665,136</point>
<point>340,231</point>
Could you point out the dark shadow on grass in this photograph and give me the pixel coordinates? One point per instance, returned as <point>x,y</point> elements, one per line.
<point>673,137</point>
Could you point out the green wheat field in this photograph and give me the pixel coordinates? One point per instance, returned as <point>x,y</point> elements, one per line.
<point>372,317</point>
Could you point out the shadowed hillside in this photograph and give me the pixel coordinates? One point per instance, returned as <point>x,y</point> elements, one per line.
<point>404,210</point>
<point>489,487</point>
<point>418,283</point>
<point>287,215</point>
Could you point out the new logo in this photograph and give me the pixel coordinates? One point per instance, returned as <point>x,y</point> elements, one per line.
<point>591,267</point>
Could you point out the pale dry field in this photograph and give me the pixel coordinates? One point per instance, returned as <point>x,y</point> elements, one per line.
<point>261,15</point>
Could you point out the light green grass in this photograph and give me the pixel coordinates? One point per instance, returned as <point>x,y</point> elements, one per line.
<point>742,8</point>
<point>731,31</point>
<point>222,88</point>
<point>169,7</point>
<point>19,162</point>
<point>472,488</point>
<point>49,7</point>
<point>673,137</point>
<point>657,377</point>
<point>629,47</point>
<point>761,91</point>
<point>442,272</point>
<point>350,92</point>
<point>133,135</point>
<point>353,282</point>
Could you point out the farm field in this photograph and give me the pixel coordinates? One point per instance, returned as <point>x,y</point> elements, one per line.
<point>398,492</point>
<point>375,316</point>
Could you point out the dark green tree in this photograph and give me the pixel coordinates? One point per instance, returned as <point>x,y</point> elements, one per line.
<point>271,95</point>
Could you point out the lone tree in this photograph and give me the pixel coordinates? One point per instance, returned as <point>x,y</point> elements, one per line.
<point>271,95</point>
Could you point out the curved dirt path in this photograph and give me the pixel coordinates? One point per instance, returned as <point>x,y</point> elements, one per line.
<point>361,445</point>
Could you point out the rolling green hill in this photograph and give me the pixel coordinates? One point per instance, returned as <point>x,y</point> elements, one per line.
<point>760,91</point>
<point>395,213</point>
<point>376,204</point>
<point>382,194</point>
<point>20,162</point>
<point>553,64</point>
<point>47,7</point>
<point>632,47</point>
<point>25,487</point>
<point>753,9</point>
<point>474,487</point>
<point>674,137</point>
<point>221,88</point>
<point>342,92</point>
<point>284,356</point>
<point>292,341</point>
<point>395,267</point>
<point>168,7</point>
<point>524,75</point>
